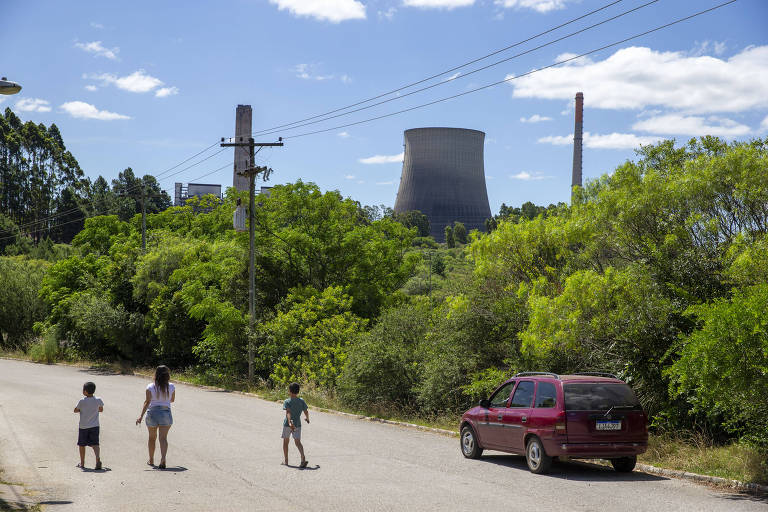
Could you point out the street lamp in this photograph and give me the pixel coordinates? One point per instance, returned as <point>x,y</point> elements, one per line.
<point>8,87</point>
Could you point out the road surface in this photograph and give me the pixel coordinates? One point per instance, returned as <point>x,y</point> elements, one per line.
<point>225,453</point>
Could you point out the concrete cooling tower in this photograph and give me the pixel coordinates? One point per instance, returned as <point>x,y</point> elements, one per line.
<point>444,178</point>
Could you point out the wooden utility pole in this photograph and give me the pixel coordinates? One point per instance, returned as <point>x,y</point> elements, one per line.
<point>143,220</point>
<point>251,172</point>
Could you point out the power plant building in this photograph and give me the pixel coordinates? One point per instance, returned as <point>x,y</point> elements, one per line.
<point>444,178</point>
<point>183,192</point>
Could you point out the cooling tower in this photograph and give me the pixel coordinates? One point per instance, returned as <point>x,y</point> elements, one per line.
<point>444,178</point>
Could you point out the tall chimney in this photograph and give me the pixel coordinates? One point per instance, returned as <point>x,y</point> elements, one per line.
<point>242,153</point>
<point>577,136</point>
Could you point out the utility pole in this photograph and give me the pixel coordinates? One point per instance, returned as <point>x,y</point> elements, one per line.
<point>251,172</point>
<point>143,220</point>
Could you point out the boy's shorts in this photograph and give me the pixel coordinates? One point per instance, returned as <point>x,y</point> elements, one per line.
<point>88,437</point>
<point>287,433</point>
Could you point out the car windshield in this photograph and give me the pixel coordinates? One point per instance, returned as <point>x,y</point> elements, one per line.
<point>599,396</point>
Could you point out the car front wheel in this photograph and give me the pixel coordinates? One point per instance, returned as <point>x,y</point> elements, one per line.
<point>538,460</point>
<point>469,446</point>
<point>624,464</point>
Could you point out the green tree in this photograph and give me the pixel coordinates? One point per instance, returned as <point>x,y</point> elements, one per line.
<point>20,305</point>
<point>460,232</point>
<point>450,241</point>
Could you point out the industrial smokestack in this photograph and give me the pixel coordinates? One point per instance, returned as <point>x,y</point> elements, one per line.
<point>577,139</point>
<point>242,153</point>
<point>444,178</point>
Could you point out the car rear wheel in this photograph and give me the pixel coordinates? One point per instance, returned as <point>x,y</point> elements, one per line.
<point>538,460</point>
<point>469,446</point>
<point>624,464</point>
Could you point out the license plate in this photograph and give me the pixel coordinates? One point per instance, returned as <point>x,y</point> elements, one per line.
<point>608,425</point>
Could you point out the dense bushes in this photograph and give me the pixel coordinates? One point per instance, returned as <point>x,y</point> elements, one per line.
<point>656,272</point>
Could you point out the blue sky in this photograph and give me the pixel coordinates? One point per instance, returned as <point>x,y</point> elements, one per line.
<point>148,84</point>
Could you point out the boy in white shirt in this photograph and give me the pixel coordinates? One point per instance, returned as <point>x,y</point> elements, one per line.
<point>89,409</point>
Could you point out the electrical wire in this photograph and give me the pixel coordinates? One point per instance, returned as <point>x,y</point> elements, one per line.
<point>133,188</point>
<point>506,80</point>
<point>455,68</point>
<point>464,75</point>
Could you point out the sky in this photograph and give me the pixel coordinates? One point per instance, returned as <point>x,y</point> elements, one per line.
<point>149,84</point>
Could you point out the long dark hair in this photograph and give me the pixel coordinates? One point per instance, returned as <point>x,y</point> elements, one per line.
<point>162,377</point>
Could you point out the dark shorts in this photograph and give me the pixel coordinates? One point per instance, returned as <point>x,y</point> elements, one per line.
<point>88,437</point>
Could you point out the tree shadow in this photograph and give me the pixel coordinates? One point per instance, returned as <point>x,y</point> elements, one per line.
<point>575,470</point>
<point>739,495</point>
<point>99,370</point>
<point>55,502</point>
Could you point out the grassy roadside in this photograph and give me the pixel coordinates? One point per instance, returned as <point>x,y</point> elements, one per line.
<point>695,454</point>
<point>9,503</point>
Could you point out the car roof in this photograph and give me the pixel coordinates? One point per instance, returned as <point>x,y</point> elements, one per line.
<point>568,378</point>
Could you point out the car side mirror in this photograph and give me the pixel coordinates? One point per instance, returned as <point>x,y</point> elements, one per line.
<point>485,403</point>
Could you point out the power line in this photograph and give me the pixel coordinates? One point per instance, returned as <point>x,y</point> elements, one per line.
<point>464,75</point>
<point>81,218</point>
<point>455,68</point>
<point>133,188</point>
<point>493,84</point>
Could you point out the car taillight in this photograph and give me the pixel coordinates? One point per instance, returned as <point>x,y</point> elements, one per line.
<point>560,424</point>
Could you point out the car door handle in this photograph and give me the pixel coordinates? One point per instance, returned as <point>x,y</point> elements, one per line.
<point>499,417</point>
<point>524,419</point>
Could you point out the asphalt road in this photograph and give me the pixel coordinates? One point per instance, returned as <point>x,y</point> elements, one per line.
<point>225,453</point>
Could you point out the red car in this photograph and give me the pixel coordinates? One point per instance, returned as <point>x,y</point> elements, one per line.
<point>545,415</point>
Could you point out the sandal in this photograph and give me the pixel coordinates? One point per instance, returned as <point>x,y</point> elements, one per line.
<point>303,464</point>
<point>98,465</point>
<point>161,466</point>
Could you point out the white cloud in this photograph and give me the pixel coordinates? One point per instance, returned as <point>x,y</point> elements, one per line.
<point>98,50</point>
<point>526,176</point>
<point>82,110</point>
<point>349,177</point>
<point>764,124</point>
<point>33,105</point>
<point>166,91</point>
<point>138,81</point>
<point>535,118</point>
<point>334,11</point>
<point>704,47</point>
<point>536,5</point>
<point>638,78</point>
<point>2,99</point>
<point>382,159</point>
<point>453,76</point>
<point>388,14</point>
<point>98,26</point>
<point>307,72</point>
<point>91,88</point>
<point>674,124</point>
<point>607,141</point>
<point>385,182</point>
<point>343,135</point>
<point>438,4</point>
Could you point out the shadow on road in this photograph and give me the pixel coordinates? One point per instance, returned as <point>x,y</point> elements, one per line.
<point>55,502</point>
<point>744,496</point>
<point>99,370</point>
<point>104,469</point>
<point>169,469</point>
<point>575,470</point>
<point>308,468</point>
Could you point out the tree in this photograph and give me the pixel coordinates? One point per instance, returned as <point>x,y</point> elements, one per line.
<point>414,219</point>
<point>460,232</point>
<point>20,304</point>
<point>449,239</point>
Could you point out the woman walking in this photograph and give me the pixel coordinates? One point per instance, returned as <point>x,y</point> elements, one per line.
<point>157,405</point>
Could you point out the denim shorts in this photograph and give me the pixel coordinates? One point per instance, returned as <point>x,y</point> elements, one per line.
<point>159,417</point>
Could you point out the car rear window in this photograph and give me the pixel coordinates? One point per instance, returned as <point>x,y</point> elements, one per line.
<point>598,396</point>
<point>546,395</point>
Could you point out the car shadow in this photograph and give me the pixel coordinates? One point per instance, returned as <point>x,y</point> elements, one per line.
<point>575,470</point>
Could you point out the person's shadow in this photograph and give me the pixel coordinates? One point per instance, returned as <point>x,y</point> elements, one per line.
<point>308,468</point>
<point>170,469</point>
<point>103,469</point>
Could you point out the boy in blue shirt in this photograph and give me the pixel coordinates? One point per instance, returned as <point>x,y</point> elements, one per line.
<point>293,408</point>
<point>89,408</point>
